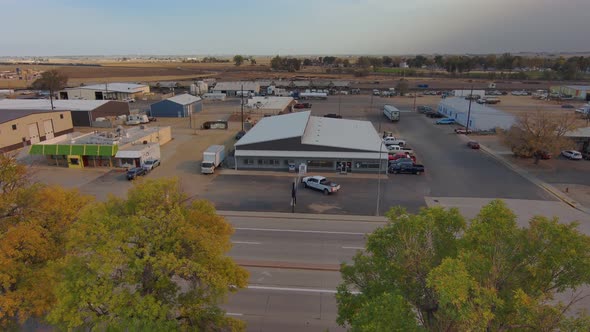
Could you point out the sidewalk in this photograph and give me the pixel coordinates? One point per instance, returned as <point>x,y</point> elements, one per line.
<point>308,216</point>
<point>522,172</point>
<point>332,175</point>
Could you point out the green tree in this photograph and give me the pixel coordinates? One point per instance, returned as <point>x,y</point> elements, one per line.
<point>238,60</point>
<point>51,80</point>
<point>402,87</point>
<point>433,272</point>
<point>539,131</point>
<point>148,261</point>
<point>33,220</point>
<point>307,62</point>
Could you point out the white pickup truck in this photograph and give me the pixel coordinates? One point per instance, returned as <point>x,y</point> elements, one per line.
<point>320,183</point>
<point>391,140</point>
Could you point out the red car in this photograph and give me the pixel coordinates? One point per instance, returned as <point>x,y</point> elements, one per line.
<point>473,144</point>
<point>402,155</point>
<point>302,105</point>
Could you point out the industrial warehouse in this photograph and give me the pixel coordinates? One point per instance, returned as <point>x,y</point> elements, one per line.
<point>118,148</point>
<point>84,112</point>
<point>232,89</point>
<point>284,142</point>
<point>20,128</point>
<point>107,91</point>
<point>481,118</point>
<point>178,106</point>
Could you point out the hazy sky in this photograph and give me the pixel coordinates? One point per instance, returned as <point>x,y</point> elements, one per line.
<point>266,27</point>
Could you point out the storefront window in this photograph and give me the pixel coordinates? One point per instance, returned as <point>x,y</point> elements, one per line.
<point>367,164</point>
<point>272,162</point>
<point>320,163</point>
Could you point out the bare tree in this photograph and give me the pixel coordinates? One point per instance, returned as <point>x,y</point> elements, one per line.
<point>51,80</point>
<point>536,132</point>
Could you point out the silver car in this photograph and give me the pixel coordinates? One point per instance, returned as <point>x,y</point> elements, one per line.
<point>150,164</point>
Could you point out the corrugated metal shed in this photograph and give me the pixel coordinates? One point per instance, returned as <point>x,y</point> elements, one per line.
<point>114,87</point>
<point>184,99</point>
<point>310,154</point>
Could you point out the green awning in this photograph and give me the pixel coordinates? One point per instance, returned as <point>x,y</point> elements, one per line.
<point>74,149</point>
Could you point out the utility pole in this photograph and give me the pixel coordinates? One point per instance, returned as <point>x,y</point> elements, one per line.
<point>379,160</point>
<point>469,112</point>
<point>242,104</point>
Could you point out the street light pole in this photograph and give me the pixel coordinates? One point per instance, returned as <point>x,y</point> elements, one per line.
<point>469,112</point>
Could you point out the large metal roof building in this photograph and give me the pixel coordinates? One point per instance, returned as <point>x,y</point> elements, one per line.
<point>323,144</point>
<point>482,118</point>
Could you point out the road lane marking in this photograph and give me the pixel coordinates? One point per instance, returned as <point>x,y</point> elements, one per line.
<point>358,248</point>
<point>304,290</point>
<point>244,242</point>
<point>294,231</point>
<point>234,314</point>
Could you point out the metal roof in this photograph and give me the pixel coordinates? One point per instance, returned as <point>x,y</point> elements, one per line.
<point>58,104</point>
<point>184,99</point>
<point>114,87</point>
<point>342,133</point>
<point>276,128</point>
<point>236,86</point>
<point>462,105</point>
<point>311,154</point>
<point>7,115</point>
<point>273,103</point>
<point>579,87</point>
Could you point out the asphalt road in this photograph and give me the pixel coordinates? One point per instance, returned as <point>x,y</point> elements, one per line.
<point>452,170</point>
<point>292,299</point>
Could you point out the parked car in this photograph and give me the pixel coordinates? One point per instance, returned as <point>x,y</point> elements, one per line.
<point>397,148</point>
<point>445,121</point>
<point>152,119</point>
<point>391,140</point>
<point>567,106</point>
<point>408,168</point>
<point>150,164</point>
<point>401,157</point>
<point>302,105</point>
<point>240,134</point>
<point>424,109</point>
<point>462,131</point>
<point>376,92</point>
<point>433,114</point>
<point>473,145</point>
<point>333,115</point>
<point>586,155</point>
<point>135,172</point>
<point>572,154</point>
<point>320,183</point>
<point>545,155</point>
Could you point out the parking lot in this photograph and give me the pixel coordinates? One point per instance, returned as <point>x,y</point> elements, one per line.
<point>452,170</point>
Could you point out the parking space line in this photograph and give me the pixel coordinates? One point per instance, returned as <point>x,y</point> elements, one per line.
<point>358,248</point>
<point>244,242</point>
<point>294,231</point>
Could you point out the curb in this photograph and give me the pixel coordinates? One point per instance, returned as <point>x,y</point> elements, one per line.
<point>541,184</point>
<point>304,216</point>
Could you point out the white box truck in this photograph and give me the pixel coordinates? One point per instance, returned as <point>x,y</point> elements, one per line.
<point>212,158</point>
<point>391,113</point>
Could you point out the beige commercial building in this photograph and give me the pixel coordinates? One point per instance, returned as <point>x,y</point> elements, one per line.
<point>107,91</point>
<point>19,128</point>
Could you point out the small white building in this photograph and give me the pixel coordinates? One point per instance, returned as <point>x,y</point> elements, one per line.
<point>107,91</point>
<point>232,89</point>
<point>481,117</point>
<point>270,105</point>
